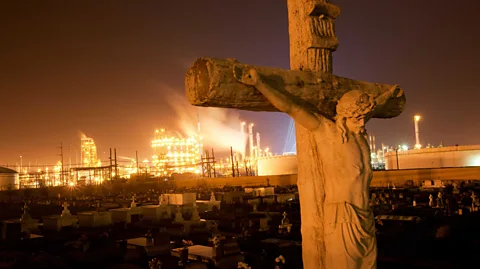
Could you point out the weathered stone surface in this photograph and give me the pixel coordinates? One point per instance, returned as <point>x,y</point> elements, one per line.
<point>213,83</point>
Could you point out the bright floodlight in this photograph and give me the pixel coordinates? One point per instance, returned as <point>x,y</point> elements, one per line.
<point>404,147</point>
<point>417,118</point>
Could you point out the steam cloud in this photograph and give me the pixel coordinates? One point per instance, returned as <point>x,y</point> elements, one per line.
<point>220,128</point>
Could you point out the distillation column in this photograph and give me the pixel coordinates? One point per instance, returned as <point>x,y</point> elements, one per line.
<point>259,151</point>
<point>242,130</point>
<point>250,139</point>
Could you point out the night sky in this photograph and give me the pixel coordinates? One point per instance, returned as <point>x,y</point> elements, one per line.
<point>109,69</point>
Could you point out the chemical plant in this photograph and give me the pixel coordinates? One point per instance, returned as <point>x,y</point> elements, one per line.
<point>173,155</point>
<point>177,156</point>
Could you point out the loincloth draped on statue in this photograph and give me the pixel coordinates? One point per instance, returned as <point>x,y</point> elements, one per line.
<point>349,236</point>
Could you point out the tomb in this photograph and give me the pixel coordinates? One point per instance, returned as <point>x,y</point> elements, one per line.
<point>57,222</point>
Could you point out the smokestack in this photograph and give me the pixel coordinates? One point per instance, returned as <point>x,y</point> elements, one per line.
<point>242,130</point>
<point>417,132</point>
<point>374,147</point>
<point>258,144</point>
<point>198,123</point>
<point>370,143</point>
<point>199,138</point>
<point>250,139</point>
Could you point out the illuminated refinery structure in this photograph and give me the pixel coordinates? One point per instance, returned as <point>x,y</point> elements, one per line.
<point>89,153</point>
<point>174,154</point>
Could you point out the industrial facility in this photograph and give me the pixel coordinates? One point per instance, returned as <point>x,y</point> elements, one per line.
<point>179,157</point>
<point>89,153</point>
<point>174,154</point>
<point>441,157</point>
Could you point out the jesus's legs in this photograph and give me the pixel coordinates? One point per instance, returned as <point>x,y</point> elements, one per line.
<point>350,241</point>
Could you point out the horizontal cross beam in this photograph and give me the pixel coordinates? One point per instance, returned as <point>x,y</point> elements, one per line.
<point>213,82</point>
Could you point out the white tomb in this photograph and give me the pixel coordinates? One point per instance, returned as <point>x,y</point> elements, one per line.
<point>57,222</point>
<point>157,212</point>
<point>120,215</point>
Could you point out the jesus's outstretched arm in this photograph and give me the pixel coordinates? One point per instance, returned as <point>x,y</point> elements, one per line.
<point>394,92</point>
<point>280,100</point>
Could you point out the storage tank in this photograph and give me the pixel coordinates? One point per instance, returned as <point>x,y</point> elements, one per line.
<point>8,179</point>
<point>454,156</point>
<point>277,165</point>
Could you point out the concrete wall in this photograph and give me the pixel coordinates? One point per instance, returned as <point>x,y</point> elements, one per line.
<point>398,177</point>
<point>380,179</point>
<point>278,165</point>
<point>238,181</point>
<point>456,156</point>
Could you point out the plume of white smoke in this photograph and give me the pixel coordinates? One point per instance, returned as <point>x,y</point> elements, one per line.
<point>220,128</point>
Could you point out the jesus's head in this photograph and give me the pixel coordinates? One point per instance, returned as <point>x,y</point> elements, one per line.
<point>352,110</point>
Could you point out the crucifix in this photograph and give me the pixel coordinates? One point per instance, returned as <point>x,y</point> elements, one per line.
<point>330,113</point>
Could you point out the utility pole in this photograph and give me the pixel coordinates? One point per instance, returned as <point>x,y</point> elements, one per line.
<point>213,161</point>
<point>70,156</point>
<point>396,153</point>
<point>233,165</point>
<point>110,166</point>
<point>116,164</point>
<point>61,156</point>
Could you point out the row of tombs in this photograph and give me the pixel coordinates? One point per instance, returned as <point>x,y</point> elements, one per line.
<point>169,204</point>
<point>176,206</point>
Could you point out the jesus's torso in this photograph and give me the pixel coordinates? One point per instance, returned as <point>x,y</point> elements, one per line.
<point>346,166</point>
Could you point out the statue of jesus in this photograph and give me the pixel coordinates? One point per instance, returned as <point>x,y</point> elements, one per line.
<point>344,156</point>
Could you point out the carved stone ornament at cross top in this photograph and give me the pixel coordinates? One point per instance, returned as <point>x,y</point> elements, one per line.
<point>330,113</point>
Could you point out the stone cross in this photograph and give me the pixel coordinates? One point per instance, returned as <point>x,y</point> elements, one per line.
<point>133,204</point>
<point>285,225</point>
<point>195,215</point>
<point>179,215</point>
<point>65,209</point>
<point>25,208</point>
<point>330,112</point>
<point>25,216</point>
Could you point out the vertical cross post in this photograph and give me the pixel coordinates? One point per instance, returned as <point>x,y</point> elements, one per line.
<point>312,42</point>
